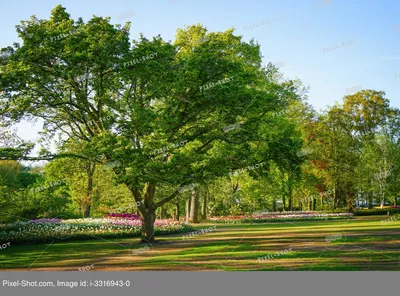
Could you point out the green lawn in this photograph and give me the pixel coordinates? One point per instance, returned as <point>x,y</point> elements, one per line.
<point>361,243</point>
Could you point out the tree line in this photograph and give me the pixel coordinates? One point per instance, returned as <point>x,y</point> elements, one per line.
<point>106,121</point>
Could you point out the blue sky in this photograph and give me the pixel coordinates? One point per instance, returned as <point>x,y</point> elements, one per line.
<point>335,47</point>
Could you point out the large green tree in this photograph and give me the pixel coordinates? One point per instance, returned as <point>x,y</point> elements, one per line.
<point>130,106</point>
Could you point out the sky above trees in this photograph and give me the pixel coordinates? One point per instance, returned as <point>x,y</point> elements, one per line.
<point>335,47</point>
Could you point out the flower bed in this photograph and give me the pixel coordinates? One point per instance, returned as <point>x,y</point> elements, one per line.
<point>45,220</point>
<point>124,216</point>
<point>280,217</point>
<point>48,230</point>
<point>227,219</point>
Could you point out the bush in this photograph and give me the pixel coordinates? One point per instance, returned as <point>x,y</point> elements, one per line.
<point>377,212</point>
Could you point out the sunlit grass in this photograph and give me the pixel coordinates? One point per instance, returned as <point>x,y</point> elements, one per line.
<point>362,243</point>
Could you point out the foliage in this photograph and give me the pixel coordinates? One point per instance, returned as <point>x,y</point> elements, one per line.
<point>202,111</point>
<point>376,212</point>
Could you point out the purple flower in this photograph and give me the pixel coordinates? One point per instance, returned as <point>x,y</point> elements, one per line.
<point>124,216</point>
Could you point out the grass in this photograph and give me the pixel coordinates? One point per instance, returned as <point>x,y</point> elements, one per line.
<point>362,243</point>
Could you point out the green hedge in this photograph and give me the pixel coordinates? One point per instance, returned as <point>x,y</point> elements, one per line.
<point>376,212</point>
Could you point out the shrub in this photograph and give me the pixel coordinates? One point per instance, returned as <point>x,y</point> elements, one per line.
<point>380,212</point>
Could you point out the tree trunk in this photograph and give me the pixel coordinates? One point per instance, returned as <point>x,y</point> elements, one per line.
<point>194,208</point>
<point>283,190</point>
<point>177,212</point>
<point>148,212</point>
<point>86,213</point>
<point>89,189</point>
<point>283,197</point>
<point>314,204</point>
<point>369,200</point>
<point>290,197</point>
<point>149,217</point>
<point>161,212</point>
<point>204,207</point>
<point>336,196</point>
<point>187,210</point>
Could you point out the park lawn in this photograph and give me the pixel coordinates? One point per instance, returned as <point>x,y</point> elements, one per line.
<point>362,243</point>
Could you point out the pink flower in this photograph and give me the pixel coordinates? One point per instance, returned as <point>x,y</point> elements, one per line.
<point>124,216</point>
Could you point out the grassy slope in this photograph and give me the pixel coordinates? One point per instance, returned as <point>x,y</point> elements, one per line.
<point>365,245</point>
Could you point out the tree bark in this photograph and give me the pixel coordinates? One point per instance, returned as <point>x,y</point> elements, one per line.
<point>86,213</point>
<point>90,168</point>
<point>149,217</point>
<point>284,199</point>
<point>177,212</point>
<point>204,207</point>
<point>194,207</point>
<point>290,197</point>
<point>350,206</point>
<point>369,200</point>
<point>314,204</point>
<point>187,210</point>
<point>147,210</point>
<point>283,190</point>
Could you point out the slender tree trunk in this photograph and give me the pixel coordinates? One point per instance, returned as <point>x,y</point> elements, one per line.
<point>204,207</point>
<point>177,212</point>
<point>187,210</point>
<point>283,190</point>
<point>90,168</point>
<point>86,213</point>
<point>194,208</point>
<point>314,205</point>
<point>338,192</point>
<point>283,196</point>
<point>161,212</point>
<point>369,200</point>
<point>335,199</point>
<point>309,204</point>
<point>290,197</point>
